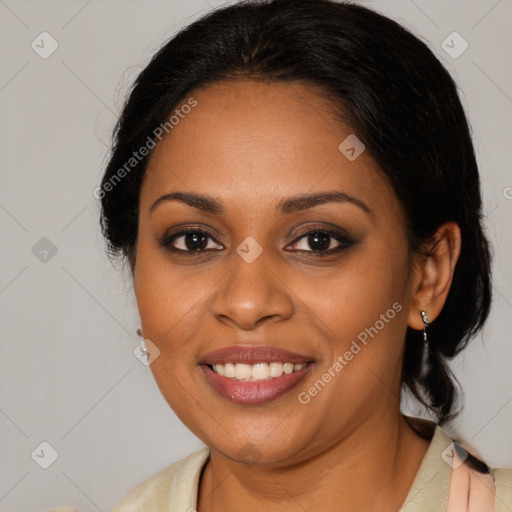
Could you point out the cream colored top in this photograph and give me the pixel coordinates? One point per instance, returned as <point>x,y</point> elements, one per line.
<point>175,488</point>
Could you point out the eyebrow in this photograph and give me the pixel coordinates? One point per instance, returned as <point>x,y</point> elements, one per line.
<point>289,205</point>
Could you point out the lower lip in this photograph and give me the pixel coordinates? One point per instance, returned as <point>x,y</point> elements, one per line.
<point>253,393</point>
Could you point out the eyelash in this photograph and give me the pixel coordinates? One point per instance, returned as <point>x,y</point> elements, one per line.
<point>344,241</point>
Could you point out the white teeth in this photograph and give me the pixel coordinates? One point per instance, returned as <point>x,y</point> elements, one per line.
<point>219,368</point>
<point>260,371</point>
<point>243,371</point>
<point>276,369</point>
<point>256,372</point>
<point>287,368</point>
<point>229,370</point>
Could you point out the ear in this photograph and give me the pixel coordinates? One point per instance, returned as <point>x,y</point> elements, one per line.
<point>432,274</point>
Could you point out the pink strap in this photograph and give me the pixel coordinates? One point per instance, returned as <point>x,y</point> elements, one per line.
<point>470,491</point>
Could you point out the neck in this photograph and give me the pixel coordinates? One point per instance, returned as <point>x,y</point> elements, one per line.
<point>372,468</point>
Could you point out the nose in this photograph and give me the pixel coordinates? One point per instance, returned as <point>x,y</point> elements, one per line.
<point>252,293</point>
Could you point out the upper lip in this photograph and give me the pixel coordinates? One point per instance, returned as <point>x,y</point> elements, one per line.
<point>252,354</point>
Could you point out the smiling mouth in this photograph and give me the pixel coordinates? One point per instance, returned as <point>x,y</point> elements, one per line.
<point>256,372</point>
<point>272,381</point>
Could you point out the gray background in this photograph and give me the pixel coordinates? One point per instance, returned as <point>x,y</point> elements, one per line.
<point>68,375</point>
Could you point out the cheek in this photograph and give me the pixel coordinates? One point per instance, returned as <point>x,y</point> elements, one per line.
<point>355,294</point>
<point>167,303</point>
<point>362,313</point>
<point>164,292</point>
<point>169,310</point>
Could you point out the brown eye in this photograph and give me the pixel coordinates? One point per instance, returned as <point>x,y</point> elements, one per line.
<point>189,240</point>
<point>320,242</point>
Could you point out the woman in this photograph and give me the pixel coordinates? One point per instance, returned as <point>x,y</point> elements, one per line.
<point>294,186</point>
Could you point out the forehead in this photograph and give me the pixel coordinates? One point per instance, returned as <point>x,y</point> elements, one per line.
<point>249,141</point>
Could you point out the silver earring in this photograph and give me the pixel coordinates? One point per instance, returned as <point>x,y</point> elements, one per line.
<point>426,323</point>
<point>142,345</point>
<point>424,357</point>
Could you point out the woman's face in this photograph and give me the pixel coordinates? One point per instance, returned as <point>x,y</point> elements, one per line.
<point>337,301</point>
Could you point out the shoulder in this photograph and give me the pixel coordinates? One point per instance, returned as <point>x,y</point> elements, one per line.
<point>503,482</point>
<point>476,485</point>
<point>452,478</point>
<point>174,485</point>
